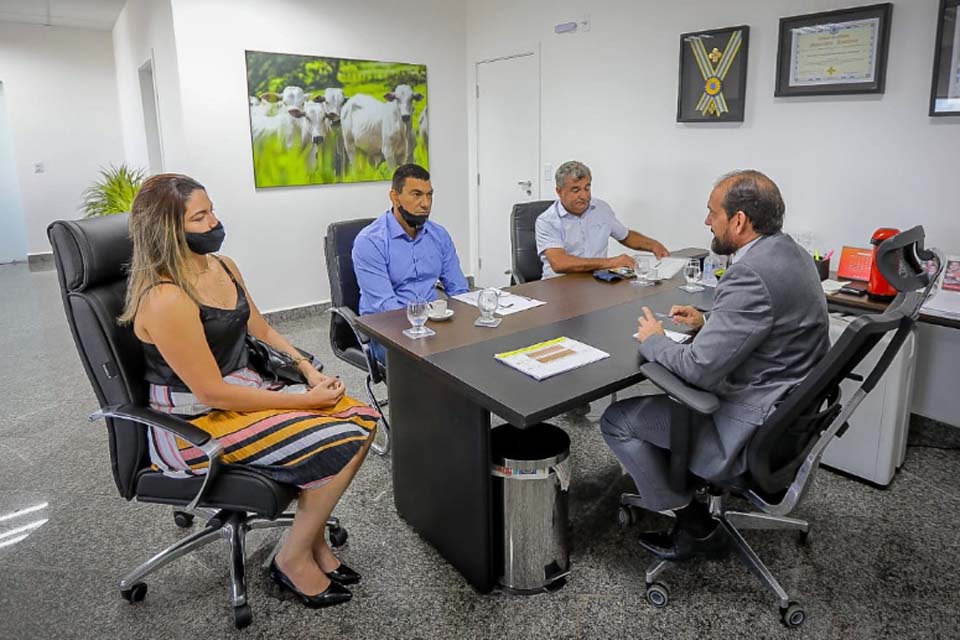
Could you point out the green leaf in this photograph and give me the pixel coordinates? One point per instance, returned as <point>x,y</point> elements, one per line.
<point>113,192</point>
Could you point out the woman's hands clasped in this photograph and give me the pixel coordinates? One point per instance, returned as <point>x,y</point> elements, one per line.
<point>324,391</point>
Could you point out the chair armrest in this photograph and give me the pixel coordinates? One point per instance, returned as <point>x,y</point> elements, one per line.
<point>177,426</point>
<point>703,402</point>
<point>351,319</point>
<point>348,316</point>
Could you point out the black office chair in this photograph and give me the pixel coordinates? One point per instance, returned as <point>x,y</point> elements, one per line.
<point>526,265</point>
<point>91,258</point>
<point>785,452</point>
<point>347,341</point>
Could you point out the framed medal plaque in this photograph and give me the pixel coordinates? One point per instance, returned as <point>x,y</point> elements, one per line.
<point>713,75</point>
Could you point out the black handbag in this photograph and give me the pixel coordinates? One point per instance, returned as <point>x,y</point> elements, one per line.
<point>274,365</point>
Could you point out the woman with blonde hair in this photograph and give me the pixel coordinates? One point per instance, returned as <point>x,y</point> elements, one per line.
<point>192,312</point>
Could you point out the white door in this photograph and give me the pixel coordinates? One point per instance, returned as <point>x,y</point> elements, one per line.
<point>13,237</point>
<point>508,140</point>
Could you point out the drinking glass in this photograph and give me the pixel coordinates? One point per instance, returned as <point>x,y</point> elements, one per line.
<point>417,315</point>
<point>691,272</point>
<point>644,265</point>
<point>487,302</point>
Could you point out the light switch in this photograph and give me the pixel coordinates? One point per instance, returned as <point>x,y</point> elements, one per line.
<point>547,172</point>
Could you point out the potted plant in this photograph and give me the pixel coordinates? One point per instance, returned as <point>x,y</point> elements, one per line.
<point>113,192</point>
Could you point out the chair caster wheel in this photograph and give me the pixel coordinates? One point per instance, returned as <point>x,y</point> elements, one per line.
<point>182,519</point>
<point>338,536</point>
<point>626,517</point>
<point>242,616</point>
<point>804,538</point>
<point>792,615</point>
<point>136,593</point>
<point>658,595</point>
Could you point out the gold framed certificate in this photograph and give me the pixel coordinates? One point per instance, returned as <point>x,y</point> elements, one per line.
<point>834,52</point>
<point>945,87</point>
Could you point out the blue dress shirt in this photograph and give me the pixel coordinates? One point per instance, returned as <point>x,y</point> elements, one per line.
<point>583,236</point>
<point>392,268</point>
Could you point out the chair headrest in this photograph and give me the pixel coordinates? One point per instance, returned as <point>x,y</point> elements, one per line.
<point>901,258</point>
<point>92,251</point>
<point>525,214</point>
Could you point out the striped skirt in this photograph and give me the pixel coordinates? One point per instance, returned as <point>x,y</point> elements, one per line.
<point>302,448</point>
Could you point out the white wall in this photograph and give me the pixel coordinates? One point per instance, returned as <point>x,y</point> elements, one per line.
<point>61,98</point>
<point>13,237</point>
<point>276,235</point>
<point>144,30</point>
<point>846,165</point>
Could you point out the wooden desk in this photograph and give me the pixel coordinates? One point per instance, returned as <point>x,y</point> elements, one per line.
<point>444,388</point>
<point>844,302</point>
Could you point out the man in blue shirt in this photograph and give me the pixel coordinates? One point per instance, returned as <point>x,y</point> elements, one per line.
<point>572,234</point>
<point>401,255</point>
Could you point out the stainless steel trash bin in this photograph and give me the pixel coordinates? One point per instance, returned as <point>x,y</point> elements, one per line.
<point>531,477</point>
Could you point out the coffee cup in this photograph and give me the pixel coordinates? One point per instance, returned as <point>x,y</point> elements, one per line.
<point>438,307</point>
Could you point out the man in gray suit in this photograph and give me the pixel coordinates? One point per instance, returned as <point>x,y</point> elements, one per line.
<point>766,331</point>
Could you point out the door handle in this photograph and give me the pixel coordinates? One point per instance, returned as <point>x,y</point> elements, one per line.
<point>525,183</point>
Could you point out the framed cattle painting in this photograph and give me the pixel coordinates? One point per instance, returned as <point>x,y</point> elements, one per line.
<point>323,120</point>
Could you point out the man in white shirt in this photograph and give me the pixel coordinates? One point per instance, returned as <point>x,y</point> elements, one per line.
<point>572,234</point>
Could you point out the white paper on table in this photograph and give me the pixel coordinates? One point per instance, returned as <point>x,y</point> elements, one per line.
<point>943,303</point>
<point>676,336</point>
<point>669,267</point>
<point>545,359</point>
<point>833,286</point>
<point>507,302</point>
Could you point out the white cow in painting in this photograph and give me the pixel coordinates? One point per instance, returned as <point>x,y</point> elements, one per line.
<point>333,101</point>
<point>380,130</point>
<point>291,125</point>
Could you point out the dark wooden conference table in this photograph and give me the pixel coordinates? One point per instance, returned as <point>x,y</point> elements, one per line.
<point>444,388</point>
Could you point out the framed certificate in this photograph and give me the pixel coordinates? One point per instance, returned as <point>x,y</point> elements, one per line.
<point>835,52</point>
<point>945,88</point>
<point>713,75</point>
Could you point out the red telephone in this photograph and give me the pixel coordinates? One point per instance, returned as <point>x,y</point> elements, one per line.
<point>878,288</point>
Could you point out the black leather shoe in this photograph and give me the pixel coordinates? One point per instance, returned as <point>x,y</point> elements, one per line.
<point>335,594</point>
<point>678,544</point>
<point>344,575</point>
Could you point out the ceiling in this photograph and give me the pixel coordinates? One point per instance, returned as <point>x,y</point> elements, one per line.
<point>83,14</point>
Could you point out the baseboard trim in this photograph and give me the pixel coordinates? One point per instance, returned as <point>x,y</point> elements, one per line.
<point>40,261</point>
<point>312,310</point>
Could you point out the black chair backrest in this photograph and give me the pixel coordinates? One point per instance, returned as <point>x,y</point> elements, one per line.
<point>780,445</point>
<point>338,246</point>
<point>91,257</point>
<point>527,266</point>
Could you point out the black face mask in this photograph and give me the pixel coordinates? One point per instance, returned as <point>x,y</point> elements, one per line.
<point>414,221</point>
<point>208,242</point>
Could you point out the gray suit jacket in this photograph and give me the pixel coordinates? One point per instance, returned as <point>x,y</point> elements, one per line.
<point>767,330</point>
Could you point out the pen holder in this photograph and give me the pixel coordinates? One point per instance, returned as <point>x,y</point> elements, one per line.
<point>823,268</point>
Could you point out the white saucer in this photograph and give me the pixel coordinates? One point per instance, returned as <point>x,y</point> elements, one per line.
<point>441,317</point>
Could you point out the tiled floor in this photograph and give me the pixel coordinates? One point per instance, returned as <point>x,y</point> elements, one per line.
<point>882,563</point>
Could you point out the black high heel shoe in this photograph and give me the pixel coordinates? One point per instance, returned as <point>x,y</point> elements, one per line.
<point>335,594</point>
<point>344,575</point>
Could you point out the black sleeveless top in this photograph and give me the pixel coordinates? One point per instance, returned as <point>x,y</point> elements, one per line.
<point>226,332</point>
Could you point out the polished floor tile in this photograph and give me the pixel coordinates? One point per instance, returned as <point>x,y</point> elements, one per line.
<point>880,563</point>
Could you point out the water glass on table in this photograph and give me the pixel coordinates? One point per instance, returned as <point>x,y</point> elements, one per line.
<point>417,311</point>
<point>644,265</point>
<point>487,302</point>
<point>691,273</point>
